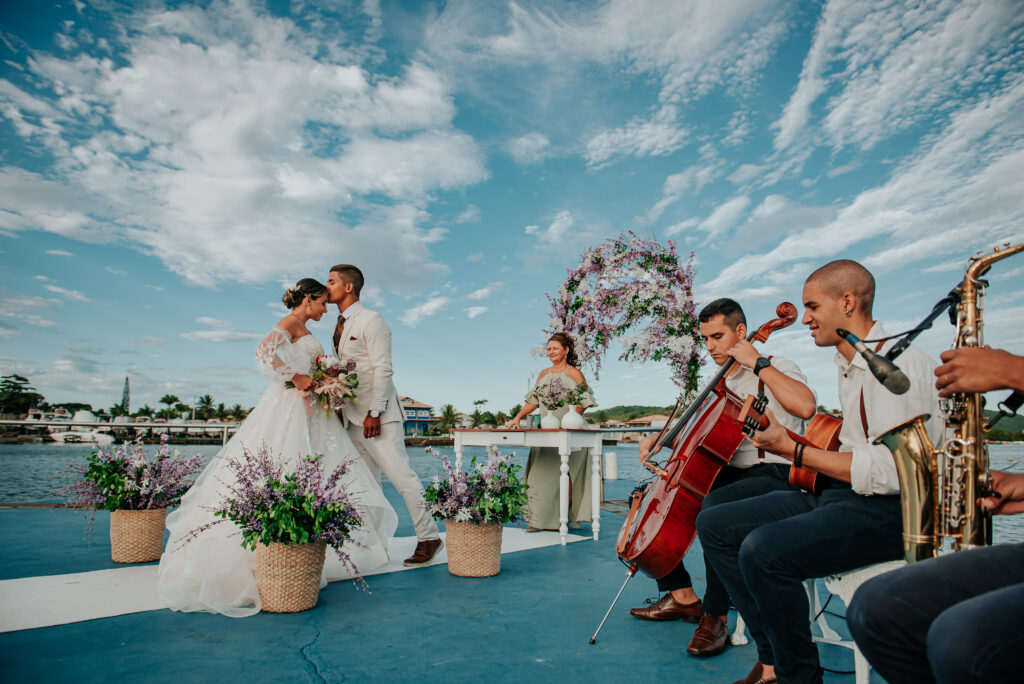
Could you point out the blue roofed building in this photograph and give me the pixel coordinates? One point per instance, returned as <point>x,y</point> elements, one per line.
<point>418,417</point>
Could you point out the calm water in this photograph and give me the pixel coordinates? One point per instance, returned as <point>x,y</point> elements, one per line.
<point>29,473</point>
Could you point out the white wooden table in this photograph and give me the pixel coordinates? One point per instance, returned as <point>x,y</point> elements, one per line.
<point>566,441</point>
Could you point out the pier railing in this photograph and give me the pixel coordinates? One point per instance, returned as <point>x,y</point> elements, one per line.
<point>178,427</point>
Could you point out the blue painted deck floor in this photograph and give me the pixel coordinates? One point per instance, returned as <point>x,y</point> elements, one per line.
<point>532,622</point>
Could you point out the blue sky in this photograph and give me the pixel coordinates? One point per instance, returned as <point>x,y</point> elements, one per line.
<point>168,169</point>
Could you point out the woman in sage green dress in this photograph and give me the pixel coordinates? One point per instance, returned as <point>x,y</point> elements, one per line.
<point>543,468</point>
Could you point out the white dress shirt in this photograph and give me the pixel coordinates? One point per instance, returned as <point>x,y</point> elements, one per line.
<point>744,382</point>
<point>872,469</point>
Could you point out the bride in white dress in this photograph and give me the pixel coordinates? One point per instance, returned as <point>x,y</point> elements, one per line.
<point>212,572</point>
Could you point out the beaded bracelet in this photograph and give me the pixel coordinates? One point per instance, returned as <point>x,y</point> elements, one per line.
<point>798,455</point>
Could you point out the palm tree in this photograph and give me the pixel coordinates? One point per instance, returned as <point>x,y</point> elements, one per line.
<point>237,412</point>
<point>515,410</point>
<point>477,417</point>
<point>170,400</point>
<point>501,417</point>
<point>448,419</point>
<point>220,412</point>
<point>204,406</point>
<point>146,411</point>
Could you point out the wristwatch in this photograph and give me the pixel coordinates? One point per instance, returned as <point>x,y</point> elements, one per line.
<point>761,364</point>
<point>374,413</point>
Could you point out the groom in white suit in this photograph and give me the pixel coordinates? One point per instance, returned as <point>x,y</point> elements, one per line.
<point>374,417</point>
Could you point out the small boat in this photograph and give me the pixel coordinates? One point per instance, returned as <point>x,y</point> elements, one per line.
<point>80,437</point>
<point>61,414</point>
<point>196,430</point>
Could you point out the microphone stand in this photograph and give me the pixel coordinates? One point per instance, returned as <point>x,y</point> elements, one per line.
<point>948,302</point>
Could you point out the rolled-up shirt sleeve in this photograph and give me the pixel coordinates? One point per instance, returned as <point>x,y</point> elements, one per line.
<point>872,468</point>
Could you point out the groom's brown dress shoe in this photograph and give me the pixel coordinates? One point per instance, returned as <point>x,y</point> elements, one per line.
<point>756,676</point>
<point>425,552</point>
<point>667,608</point>
<point>711,637</point>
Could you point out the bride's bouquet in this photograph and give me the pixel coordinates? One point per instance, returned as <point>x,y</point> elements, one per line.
<point>334,382</point>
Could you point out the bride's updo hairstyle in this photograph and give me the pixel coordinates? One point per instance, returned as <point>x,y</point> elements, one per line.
<point>570,353</point>
<point>293,296</point>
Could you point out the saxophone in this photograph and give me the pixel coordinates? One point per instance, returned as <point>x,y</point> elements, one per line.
<point>941,489</point>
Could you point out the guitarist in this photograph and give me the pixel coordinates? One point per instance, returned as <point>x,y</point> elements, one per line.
<point>765,547</point>
<point>751,472</point>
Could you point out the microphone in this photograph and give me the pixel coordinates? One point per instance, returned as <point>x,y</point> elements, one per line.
<point>891,377</point>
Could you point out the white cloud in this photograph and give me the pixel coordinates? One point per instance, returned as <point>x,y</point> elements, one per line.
<point>678,185</point>
<point>531,148</point>
<point>682,226</point>
<point>557,232</point>
<point>725,216</point>
<point>59,252</point>
<point>959,192</point>
<point>71,294</point>
<point>428,308</point>
<point>657,136</point>
<point>224,141</point>
<point>485,292</point>
<point>690,46</point>
<point>887,68</point>
<point>475,256</point>
<point>469,214</point>
<point>475,311</point>
<point>42,278</point>
<point>218,331</point>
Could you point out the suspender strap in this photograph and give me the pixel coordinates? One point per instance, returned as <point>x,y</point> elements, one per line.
<point>864,413</point>
<point>760,389</point>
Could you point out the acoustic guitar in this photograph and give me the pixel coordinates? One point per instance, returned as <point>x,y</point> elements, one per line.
<point>821,433</point>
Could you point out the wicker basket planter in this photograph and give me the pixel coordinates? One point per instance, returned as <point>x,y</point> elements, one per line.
<point>288,575</point>
<point>474,550</point>
<point>137,536</point>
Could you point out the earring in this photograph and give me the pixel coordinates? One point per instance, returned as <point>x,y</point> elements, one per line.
<point>849,313</point>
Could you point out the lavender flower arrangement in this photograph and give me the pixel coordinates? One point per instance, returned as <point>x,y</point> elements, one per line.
<point>558,395</point>
<point>269,505</point>
<point>120,478</point>
<point>483,494</point>
<point>628,284</point>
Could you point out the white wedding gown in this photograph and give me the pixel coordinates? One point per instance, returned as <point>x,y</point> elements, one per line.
<point>213,572</point>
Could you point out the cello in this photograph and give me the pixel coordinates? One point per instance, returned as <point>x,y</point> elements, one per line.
<point>661,523</point>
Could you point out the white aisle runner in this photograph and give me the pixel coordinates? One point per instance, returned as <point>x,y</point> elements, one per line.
<point>49,600</point>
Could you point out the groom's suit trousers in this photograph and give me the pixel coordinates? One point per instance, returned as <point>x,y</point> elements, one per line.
<point>386,453</point>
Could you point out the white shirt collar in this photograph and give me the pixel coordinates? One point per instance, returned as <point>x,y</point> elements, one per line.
<point>858,361</point>
<point>352,309</point>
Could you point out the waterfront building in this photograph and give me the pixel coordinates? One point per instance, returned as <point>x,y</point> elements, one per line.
<point>418,418</point>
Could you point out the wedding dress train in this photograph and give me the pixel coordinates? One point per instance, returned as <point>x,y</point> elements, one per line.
<point>213,572</point>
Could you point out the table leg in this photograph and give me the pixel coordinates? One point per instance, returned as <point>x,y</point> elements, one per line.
<point>563,494</point>
<point>596,486</point>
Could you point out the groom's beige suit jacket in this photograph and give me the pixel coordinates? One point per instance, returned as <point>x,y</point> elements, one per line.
<point>366,339</point>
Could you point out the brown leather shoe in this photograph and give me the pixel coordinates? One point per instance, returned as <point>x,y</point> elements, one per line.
<point>756,676</point>
<point>425,552</point>
<point>667,608</point>
<point>711,637</point>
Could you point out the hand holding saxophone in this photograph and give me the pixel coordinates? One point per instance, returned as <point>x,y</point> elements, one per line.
<point>1011,493</point>
<point>978,369</point>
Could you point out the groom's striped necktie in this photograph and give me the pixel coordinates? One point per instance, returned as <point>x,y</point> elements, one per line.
<point>337,332</point>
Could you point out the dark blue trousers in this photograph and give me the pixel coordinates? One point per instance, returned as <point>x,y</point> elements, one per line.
<point>765,547</point>
<point>956,618</point>
<point>732,484</point>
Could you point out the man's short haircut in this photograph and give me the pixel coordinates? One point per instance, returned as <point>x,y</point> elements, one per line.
<point>844,275</point>
<point>730,309</point>
<point>350,274</point>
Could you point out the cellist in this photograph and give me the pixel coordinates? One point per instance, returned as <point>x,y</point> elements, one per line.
<point>751,472</point>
